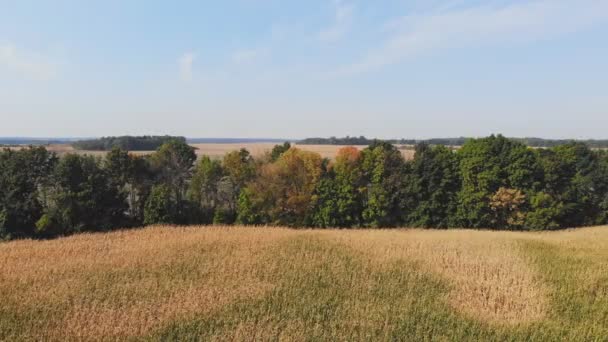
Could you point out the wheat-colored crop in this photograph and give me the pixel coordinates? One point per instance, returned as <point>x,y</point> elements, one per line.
<point>127,283</point>
<point>237,283</point>
<point>490,279</point>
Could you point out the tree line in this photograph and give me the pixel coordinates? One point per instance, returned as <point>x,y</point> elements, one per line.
<point>490,183</point>
<point>131,143</point>
<point>456,142</point>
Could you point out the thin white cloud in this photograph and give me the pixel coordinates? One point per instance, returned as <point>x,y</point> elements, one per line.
<point>185,63</point>
<point>26,64</point>
<point>487,24</point>
<point>342,22</point>
<point>248,56</point>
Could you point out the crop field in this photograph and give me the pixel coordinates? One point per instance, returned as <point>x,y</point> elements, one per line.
<point>258,149</point>
<point>217,151</point>
<point>237,283</point>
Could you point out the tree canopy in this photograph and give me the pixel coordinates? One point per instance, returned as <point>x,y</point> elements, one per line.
<point>490,183</point>
<point>129,143</point>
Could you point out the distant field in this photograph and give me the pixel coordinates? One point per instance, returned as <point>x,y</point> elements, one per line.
<point>258,149</point>
<point>223,283</point>
<point>219,150</point>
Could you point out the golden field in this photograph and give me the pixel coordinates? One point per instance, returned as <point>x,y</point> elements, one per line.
<point>217,151</point>
<point>238,283</point>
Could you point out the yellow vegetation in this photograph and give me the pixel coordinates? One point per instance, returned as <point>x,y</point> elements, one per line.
<point>138,282</point>
<point>490,280</point>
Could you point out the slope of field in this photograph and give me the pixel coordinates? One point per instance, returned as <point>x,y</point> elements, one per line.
<point>231,283</point>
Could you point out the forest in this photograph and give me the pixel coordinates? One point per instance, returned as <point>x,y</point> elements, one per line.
<point>142,143</point>
<point>489,183</point>
<point>455,142</point>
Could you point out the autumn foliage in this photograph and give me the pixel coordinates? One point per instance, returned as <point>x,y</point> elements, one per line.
<point>490,183</point>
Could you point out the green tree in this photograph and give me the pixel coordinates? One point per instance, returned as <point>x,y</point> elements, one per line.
<point>239,168</point>
<point>383,173</point>
<point>485,166</point>
<point>340,191</point>
<point>223,216</point>
<point>131,176</point>
<point>22,174</point>
<point>577,182</point>
<point>160,206</point>
<point>545,212</point>
<point>432,187</point>
<point>602,187</point>
<point>80,198</point>
<point>204,186</point>
<point>278,150</point>
<point>173,163</point>
<point>326,211</point>
<point>249,212</point>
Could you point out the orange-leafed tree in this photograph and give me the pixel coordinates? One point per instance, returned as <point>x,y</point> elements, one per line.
<point>506,204</point>
<point>283,192</point>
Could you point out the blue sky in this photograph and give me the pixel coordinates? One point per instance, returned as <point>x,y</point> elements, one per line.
<point>294,69</point>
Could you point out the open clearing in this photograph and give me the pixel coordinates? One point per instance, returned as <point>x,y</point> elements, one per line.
<point>236,283</point>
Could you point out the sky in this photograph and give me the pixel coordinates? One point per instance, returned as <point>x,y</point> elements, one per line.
<point>296,69</point>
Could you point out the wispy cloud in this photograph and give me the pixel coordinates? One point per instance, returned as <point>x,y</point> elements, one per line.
<point>456,27</point>
<point>342,22</point>
<point>247,56</point>
<point>185,63</point>
<point>26,64</point>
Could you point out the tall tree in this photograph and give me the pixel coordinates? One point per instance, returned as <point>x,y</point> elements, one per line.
<point>239,168</point>
<point>602,176</point>
<point>23,174</point>
<point>173,163</point>
<point>81,198</point>
<point>160,206</point>
<point>326,213</point>
<point>340,191</point>
<point>284,192</point>
<point>383,172</point>
<point>432,186</point>
<point>486,165</point>
<point>131,176</point>
<point>204,187</point>
<point>576,182</point>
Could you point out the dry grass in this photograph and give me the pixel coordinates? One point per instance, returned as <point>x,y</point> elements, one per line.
<point>490,279</point>
<point>128,283</point>
<point>227,283</point>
